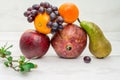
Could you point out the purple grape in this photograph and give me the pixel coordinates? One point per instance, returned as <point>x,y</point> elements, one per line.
<point>60,27</point>
<point>36,6</point>
<point>48,10</point>
<point>52,16</point>
<point>29,9</point>
<point>46,5</point>
<point>87,59</point>
<point>41,10</point>
<point>55,25</point>
<point>49,24</point>
<point>54,8</point>
<point>53,31</point>
<point>57,13</point>
<point>34,13</point>
<point>52,11</point>
<point>30,19</point>
<point>50,6</point>
<point>27,13</point>
<point>59,20</point>
<point>42,4</point>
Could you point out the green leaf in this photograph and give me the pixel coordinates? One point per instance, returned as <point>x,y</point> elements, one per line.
<point>2,51</point>
<point>31,65</point>
<point>21,69</point>
<point>25,68</point>
<point>6,63</point>
<point>7,53</point>
<point>2,55</point>
<point>22,58</point>
<point>9,58</point>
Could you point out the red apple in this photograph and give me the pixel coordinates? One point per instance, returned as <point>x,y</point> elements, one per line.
<point>69,42</point>
<point>34,44</point>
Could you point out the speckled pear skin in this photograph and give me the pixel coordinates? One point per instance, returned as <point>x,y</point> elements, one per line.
<point>99,46</point>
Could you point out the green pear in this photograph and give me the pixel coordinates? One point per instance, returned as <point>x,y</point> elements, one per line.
<point>99,46</point>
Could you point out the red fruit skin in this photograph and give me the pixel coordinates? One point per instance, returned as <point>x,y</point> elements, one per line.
<point>73,36</point>
<point>34,44</point>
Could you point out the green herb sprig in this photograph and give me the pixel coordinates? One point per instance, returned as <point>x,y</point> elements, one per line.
<point>20,65</point>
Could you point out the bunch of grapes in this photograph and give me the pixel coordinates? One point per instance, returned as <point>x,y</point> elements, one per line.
<point>56,20</point>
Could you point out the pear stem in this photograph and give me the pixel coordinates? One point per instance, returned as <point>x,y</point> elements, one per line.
<point>78,20</point>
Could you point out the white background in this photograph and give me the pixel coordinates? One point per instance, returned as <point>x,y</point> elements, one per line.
<point>105,13</point>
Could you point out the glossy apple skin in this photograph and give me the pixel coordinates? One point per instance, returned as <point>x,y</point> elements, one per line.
<point>69,42</point>
<point>34,44</point>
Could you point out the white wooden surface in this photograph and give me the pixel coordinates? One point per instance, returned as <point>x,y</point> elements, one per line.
<point>105,13</point>
<point>51,67</point>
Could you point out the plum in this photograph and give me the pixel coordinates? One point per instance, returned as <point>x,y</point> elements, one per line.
<point>69,42</point>
<point>34,44</point>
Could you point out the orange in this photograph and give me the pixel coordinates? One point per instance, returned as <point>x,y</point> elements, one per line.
<point>69,12</point>
<point>40,23</point>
